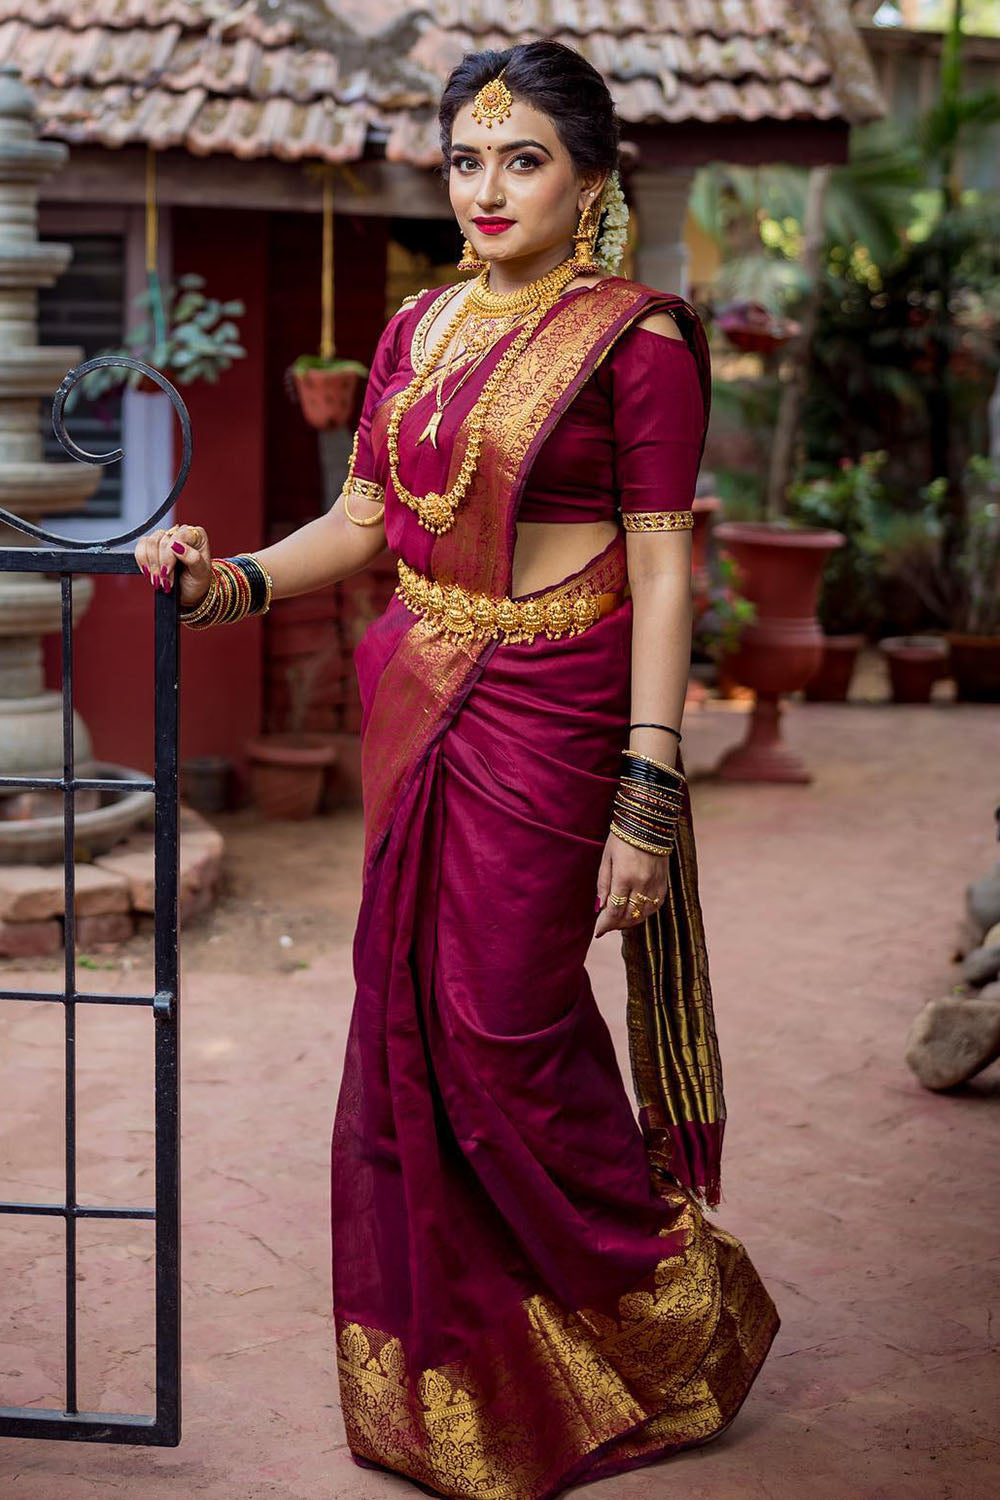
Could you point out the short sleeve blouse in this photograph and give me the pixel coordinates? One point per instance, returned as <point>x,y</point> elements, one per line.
<point>629,442</point>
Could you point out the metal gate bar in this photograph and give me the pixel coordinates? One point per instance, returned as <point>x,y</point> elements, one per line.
<point>67,559</point>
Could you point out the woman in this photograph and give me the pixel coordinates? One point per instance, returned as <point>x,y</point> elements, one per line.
<point>527,1291</point>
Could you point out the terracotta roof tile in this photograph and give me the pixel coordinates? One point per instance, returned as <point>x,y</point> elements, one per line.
<point>217,77</point>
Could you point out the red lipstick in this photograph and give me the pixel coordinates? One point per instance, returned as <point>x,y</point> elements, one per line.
<point>493,226</point>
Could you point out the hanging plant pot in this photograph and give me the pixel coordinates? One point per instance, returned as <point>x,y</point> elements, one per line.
<point>752,329</point>
<point>327,389</point>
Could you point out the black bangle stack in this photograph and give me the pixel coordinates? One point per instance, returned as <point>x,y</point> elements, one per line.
<point>259,580</point>
<point>648,803</point>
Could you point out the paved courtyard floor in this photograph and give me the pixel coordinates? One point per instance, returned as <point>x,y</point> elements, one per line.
<point>870,1207</point>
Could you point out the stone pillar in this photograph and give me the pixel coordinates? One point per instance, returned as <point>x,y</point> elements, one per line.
<point>30,718</point>
<point>661,198</point>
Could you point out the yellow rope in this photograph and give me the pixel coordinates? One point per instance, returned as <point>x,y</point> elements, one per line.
<point>326,335</point>
<point>151,221</point>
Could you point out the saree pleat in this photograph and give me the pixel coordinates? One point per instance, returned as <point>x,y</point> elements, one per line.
<point>526,1289</point>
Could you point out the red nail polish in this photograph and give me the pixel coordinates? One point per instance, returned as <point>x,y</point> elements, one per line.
<point>177,546</point>
<point>597,904</point>
<point>168,584</point>
<point>145,571</point>
<point>163,570</point>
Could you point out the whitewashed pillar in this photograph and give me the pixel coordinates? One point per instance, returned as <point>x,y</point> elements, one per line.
<point>30,487</point>
<point>661,199</point>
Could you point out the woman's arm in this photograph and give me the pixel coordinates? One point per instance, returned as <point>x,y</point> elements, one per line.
<point>324,550</point>
<point>659,570</point>
<point>657,460</point>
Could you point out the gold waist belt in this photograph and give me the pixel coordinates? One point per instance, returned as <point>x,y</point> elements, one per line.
<point>463,613</point>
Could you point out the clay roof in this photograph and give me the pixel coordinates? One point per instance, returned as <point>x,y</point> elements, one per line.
<point>321,78</point>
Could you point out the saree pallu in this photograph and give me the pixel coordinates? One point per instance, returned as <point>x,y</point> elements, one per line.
<point>527,1292</point>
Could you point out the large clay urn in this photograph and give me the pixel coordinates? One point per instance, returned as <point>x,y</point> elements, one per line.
<point>781,649</point>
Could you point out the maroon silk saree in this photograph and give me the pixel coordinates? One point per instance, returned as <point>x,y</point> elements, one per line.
<point>527,1291</point>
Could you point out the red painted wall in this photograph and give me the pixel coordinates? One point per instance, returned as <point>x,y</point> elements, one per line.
<point>220,669</point>
<point>255,475</point>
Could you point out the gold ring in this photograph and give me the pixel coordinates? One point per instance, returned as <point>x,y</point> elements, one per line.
<point>635,911</point>
<point>617,900</point>
<point>638,896</point>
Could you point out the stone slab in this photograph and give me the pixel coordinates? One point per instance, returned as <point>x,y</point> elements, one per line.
<point>30,939</point>
<point>32,893</point>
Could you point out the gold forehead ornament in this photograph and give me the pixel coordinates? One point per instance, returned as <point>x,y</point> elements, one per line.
<point>493,102</point>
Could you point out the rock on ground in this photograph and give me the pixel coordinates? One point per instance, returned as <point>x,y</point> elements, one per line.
<point>953,1039</point>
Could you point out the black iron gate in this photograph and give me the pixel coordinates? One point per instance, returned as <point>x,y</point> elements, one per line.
<point>69,557</point>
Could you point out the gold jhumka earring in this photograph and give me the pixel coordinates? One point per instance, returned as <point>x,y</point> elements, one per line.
<point>470,260</point>
<point>493,102</point>
<point>584,262</point>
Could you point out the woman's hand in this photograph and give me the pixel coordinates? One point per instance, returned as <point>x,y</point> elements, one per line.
<point>630,872</point>
<point>183,550</point>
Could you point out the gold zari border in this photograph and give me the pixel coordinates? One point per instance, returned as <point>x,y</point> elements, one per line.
<point>462,613</point>
<point>657,520</point>
<point>670,1365</point>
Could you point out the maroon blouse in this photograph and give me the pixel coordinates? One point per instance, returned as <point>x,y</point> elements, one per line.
<point>629,441</point>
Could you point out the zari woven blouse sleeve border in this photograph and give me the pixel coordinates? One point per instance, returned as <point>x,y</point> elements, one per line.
<point>658,419</point>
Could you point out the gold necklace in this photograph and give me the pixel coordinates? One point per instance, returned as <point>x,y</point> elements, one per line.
<point>436,510</point>
<point>479,336</point>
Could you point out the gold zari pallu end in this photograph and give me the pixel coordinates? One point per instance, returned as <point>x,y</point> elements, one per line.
<point>657,520</point>
<point>464,614</point>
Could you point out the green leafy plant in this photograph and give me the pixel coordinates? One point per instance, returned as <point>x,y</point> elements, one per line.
<point>307,362</point>
<point>726,612</point>
<point>181,332</point>
<point>961,590</point>
<point>849,499</point>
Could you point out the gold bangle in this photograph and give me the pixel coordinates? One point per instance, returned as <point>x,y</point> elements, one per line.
<point>638,755</point>
<point>362,520</point>
<point>639,843</point>
<point>203,613</point>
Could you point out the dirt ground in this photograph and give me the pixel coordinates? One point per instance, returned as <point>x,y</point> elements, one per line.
<point>869,1206</point>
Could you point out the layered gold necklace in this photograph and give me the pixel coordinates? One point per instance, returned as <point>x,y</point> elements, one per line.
<point>475,338</point>
<point>436,510</point>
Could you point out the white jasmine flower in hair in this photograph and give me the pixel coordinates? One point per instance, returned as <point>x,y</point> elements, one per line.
<point>612,239</point>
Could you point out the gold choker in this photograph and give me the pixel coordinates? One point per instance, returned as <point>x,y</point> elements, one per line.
<point>524,298</point>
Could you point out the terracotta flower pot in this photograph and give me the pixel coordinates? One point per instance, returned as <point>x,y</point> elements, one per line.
<point>915,663</point>
<point>831,681</point>
<point>287,771</point>
<point>780,650</point>
<point>326,396</point>
<point>975,666</point>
